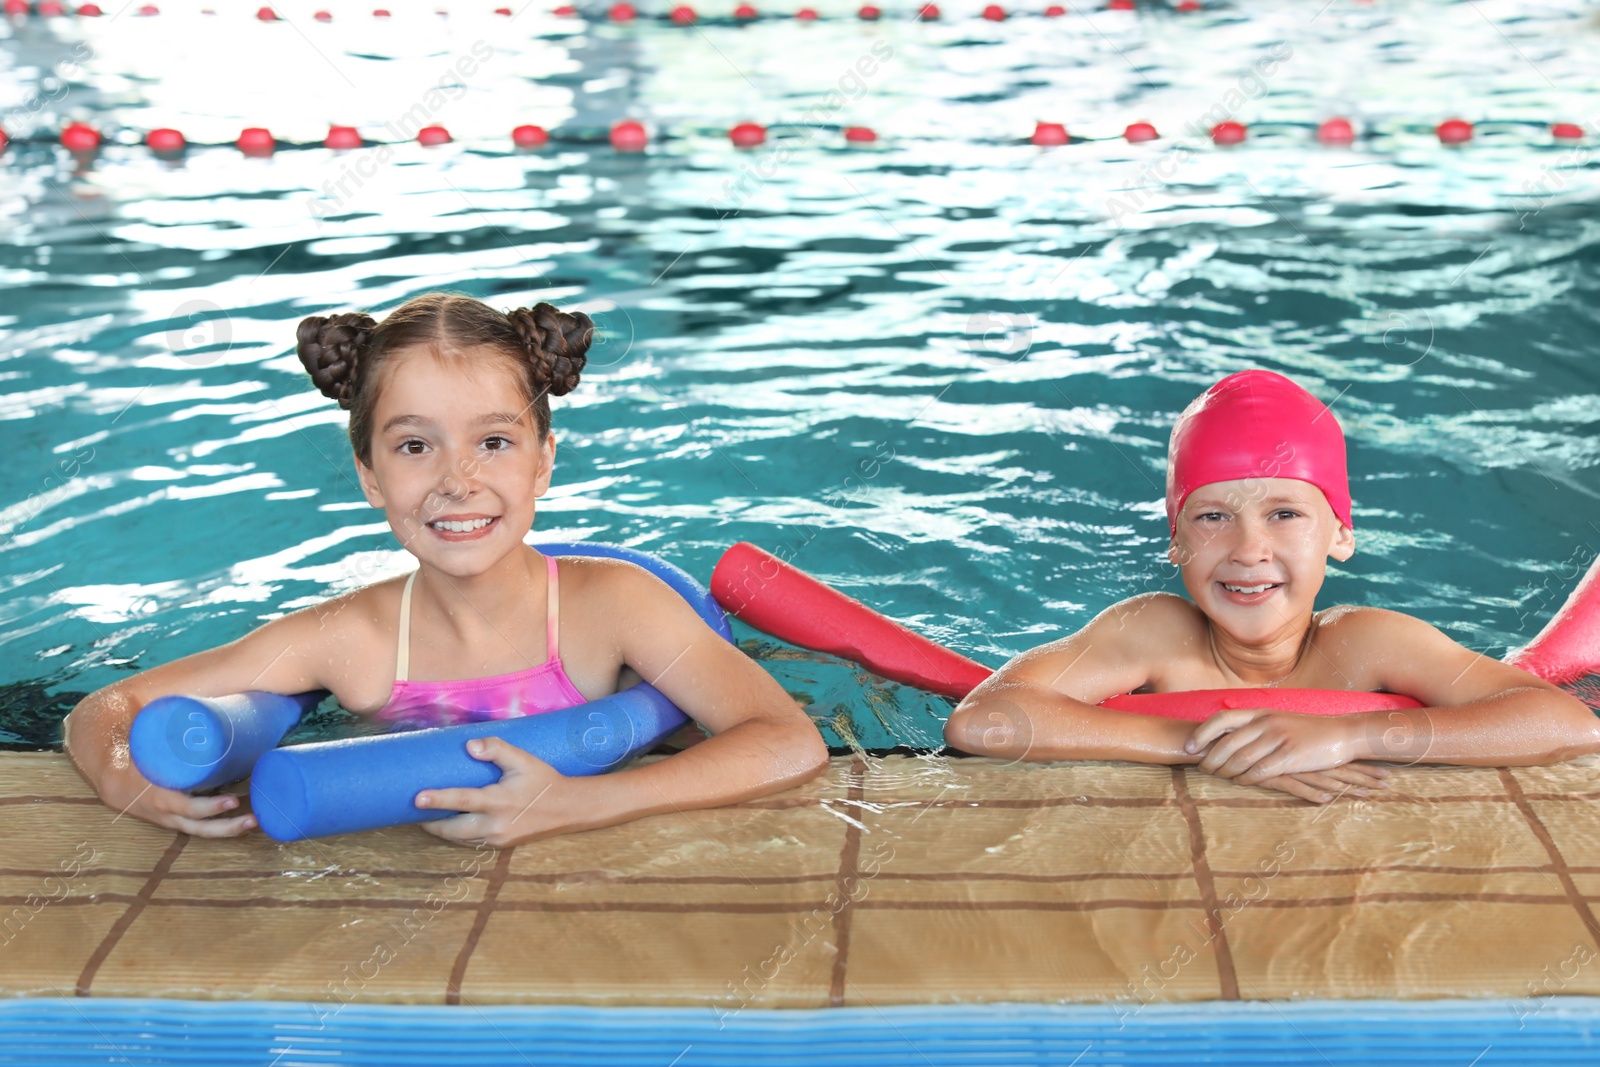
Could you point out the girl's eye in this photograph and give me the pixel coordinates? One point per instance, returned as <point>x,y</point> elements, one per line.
<point>405,446</point>
<point>505,443</point>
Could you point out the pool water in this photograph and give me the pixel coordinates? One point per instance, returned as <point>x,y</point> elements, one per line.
<point>937,372</point>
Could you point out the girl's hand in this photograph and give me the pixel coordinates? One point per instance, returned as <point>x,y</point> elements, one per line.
<point>526,803</point>
<point>1324,787</point>
<point>1251,745</point>
<point>196,816</point>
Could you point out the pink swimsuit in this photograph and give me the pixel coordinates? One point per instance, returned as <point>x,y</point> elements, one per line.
<point>527,692</point>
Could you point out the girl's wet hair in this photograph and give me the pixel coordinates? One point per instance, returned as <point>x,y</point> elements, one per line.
<point>345,354</point>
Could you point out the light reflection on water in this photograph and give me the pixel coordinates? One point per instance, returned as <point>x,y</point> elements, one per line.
<point>1016,328</point>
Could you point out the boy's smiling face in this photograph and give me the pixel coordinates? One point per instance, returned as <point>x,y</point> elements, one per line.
<point>454,439</point>
<point>1253,552</point>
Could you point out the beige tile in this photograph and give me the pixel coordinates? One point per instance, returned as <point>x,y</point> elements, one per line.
<point>335,953</point>
<point>1465,834</point>
<point>1424,949</point>
<point>1574,827</point>
<point>45,944</point>
<point>1126,955</point>
<point>49,837</point>
<point>724,961</point>
<point>1067,839</point>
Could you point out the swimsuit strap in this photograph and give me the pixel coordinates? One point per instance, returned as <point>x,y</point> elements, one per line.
<point>552,611</point>
<point>402,655</point>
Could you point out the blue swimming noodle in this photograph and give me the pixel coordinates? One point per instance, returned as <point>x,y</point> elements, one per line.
<point>361,783</point>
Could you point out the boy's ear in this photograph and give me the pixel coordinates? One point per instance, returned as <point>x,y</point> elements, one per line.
<point>369,482</point>
<point>547,464</point>
<point>1344,544</point>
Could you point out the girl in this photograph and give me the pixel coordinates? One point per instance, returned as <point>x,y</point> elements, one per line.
<point>450,427</point>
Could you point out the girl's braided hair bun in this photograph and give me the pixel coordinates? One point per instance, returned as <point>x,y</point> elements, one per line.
<point>557,343</point>
<point>332,349</point>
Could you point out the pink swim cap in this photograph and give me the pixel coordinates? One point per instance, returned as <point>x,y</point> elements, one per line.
<point>1257,424</point>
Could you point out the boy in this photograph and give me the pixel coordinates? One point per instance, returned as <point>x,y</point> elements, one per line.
<point>1257,500</point>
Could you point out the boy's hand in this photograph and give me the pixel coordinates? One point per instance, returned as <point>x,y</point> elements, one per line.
<point>521,806</point>
<point>1251,745</point>
<point>1323,787</point>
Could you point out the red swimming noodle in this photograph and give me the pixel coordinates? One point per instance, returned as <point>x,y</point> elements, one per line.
<point>774,597</point>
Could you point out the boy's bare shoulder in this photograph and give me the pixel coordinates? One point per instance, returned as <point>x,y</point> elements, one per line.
<point>1367,625</point>
<point>1165,613</point>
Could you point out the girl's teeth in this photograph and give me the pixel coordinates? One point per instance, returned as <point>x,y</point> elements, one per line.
<point>1247,589</point>
<point>461,527</point>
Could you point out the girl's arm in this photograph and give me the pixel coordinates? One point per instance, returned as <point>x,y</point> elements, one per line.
<point>273,657</point>
<point>761,741</point>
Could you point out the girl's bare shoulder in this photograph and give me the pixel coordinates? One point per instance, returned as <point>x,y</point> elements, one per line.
<point>358,630</point>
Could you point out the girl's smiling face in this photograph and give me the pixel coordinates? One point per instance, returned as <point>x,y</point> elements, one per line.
<point>457,462</point>
<point>1254,551</point>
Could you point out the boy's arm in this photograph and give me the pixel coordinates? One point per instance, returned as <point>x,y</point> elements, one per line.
<point>1040,706</point>
<point>1478,711</point>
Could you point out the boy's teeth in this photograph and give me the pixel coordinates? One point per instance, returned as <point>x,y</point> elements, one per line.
<point>1248,589</point>
<point>461,527</point>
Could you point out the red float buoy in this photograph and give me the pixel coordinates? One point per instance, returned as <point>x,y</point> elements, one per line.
<point>1454,131</point>
<point>16,7</point>
<point>747,134</point>
<point>870,12</point>
<point>1188,5</point>
<point>529,136</point>
<point>928,12</point>
<point>745,12</point>
<point>629,136</point>
<point>165,140</point>
<point>565,11</point>
<point>506,11</point>
<point>994,13</point>
<point>1049,133</point>
<point>1228,132</point>
<point>148,9</point>
<point>266,14</point>
<point>4,140</point>
<point>51,8</point>
<point>256,141</point>
<point>623,12</point>
<point>342,137</point>
<point>90,11</point>
<point>432,135</point>
<point>380,13</point>
<point>1119,5</point>
<point>683,15</point>
<point>1566,131</point>
<point>80,137</point>
<point>860,134</point>
<point>1139,131</point>
<point>323,16</point>
<point>1054,11</point>
<point>806,14</point>
<point>1336,131</point>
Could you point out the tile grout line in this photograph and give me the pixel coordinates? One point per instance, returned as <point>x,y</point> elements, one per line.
<point>1558,861</point>
<point>1227,978</point>
<point>480,920</point>
<point>849,856</point>
<point>126,919</point>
